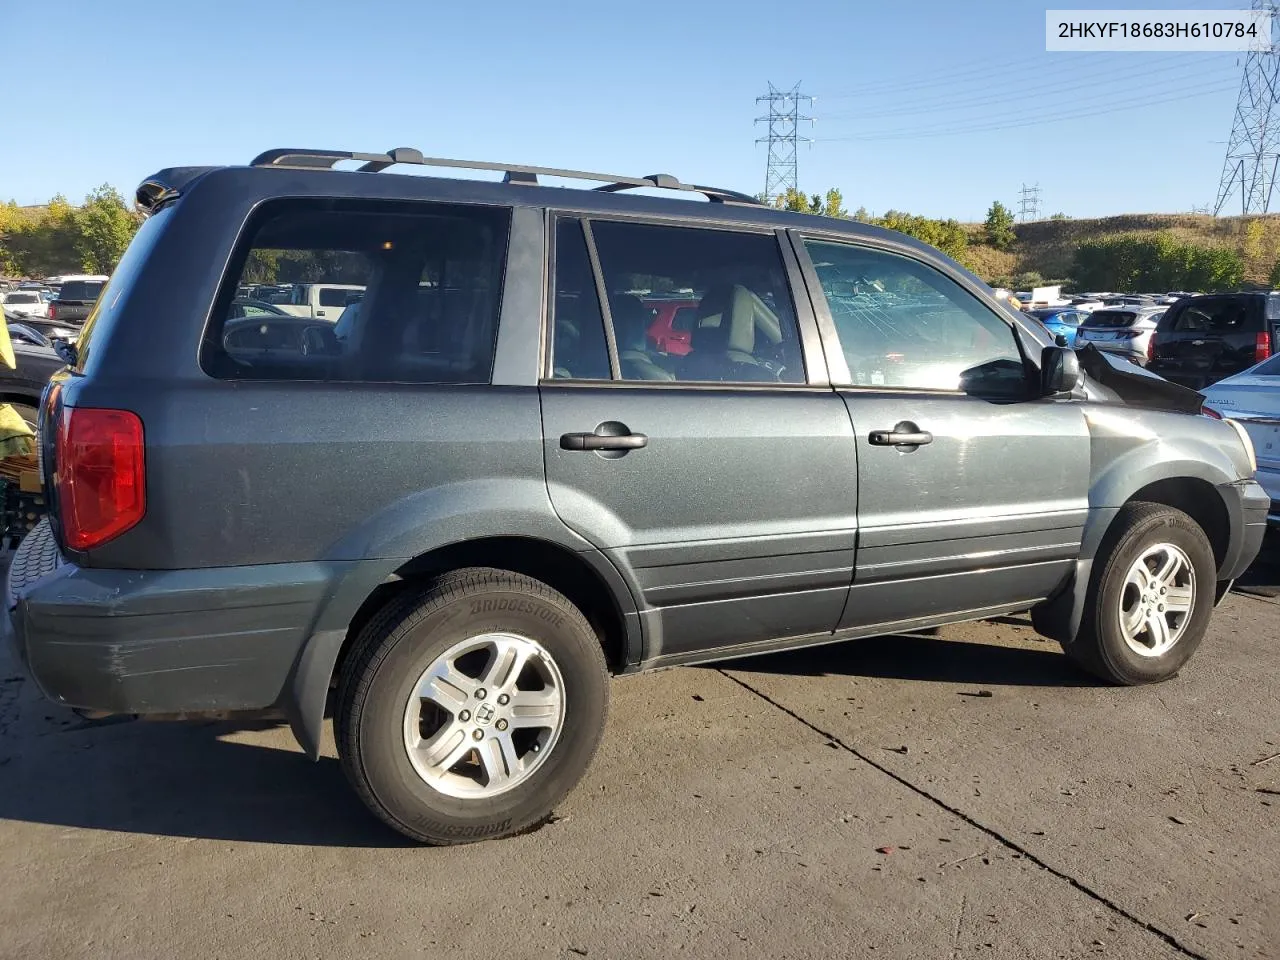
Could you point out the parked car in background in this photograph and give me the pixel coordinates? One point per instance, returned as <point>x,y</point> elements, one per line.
<point>1203,339</point>
<point>1124,330</point>
<point>1252,399</point>
<point>1086,304</point>
<point>25,333</point>
<point>1061,321</point>
<point>24,303</point>
<point>75,300</point>
<point>322,300</point>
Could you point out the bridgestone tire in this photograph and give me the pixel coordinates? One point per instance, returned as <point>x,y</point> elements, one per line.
<point>407,636</point>
<point>1100,647</point>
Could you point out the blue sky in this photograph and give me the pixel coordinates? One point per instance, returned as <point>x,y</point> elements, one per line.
<point>126,87</point>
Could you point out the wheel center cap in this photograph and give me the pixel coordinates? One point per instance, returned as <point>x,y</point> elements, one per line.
<point>484,713</point>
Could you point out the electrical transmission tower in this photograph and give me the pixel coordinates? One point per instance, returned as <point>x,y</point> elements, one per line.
<point>1254,147</point>
<point>1029,204</point>
<point>783,137</point>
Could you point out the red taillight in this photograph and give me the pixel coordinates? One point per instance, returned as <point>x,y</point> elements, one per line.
<point>1151,347</point>
<point>100,475</point>
<point>53,311</point>
<point>1261,347</point>
<point>1210,412</point>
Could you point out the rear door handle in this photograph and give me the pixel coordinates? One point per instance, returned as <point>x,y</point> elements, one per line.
<point>596,441</point>
<point>904,434</point>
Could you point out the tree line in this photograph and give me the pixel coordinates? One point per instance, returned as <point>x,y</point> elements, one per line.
<point>62,238</point>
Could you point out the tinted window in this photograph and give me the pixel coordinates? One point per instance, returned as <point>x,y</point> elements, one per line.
<point>336,296</point>
<point>80,290</point>
<point>430,313</point>
<point>1110,318</point>
<point>1228,315</point>
<point>21,298</point>
<point>744,326</point>
<point>904,324</point>
<point>578,348</point>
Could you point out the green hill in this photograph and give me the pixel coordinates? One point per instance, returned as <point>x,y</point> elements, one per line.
<point>1047,247</point>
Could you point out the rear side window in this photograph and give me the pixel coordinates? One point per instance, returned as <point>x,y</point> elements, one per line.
<point>743,328</point>
<point>80,290</point>
<point>1228,315</point>
<point>578,348</point>
<point>430,279</point>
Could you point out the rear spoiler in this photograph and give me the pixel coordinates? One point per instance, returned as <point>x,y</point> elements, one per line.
<point>165,186</point>
<point>1137,386</point>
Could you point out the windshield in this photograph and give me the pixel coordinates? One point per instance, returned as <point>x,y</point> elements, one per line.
<point>1110,318</point>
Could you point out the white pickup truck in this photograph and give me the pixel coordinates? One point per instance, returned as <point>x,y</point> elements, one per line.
<point>321,300</point>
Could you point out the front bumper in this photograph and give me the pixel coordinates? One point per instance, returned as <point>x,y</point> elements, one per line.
<point>1249,507</point>
<point>161,641</point>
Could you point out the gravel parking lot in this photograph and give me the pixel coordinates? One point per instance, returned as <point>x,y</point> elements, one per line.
<point>965,794</point>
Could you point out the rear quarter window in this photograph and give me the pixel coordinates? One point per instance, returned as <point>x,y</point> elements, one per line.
<point>430,276</point>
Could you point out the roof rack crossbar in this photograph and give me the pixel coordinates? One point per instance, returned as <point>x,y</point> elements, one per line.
<point>513,173</point>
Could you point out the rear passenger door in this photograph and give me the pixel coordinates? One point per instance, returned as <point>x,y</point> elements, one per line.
<point>722,481</point>
<point>972,494</point>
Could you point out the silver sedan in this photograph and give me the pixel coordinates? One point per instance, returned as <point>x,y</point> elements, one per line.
<point>1252,399</point>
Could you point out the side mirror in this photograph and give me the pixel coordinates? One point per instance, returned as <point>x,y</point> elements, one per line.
<point>1059,371</point>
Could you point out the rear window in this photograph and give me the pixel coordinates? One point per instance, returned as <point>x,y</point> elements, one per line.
<point>1224,316</point>
<point>1270,368</point>
<point>431,276</point>
<point>81,290</point>
<point>336,296</point>
<point>1110,318</point>
<point>21,298</point>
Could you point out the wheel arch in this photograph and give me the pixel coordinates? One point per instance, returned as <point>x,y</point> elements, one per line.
<point>585,576</point>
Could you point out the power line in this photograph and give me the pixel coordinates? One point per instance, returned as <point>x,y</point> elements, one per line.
<point>918,134</point>
<point>783,138</point>
<point>1253,150</point>
<point>1024,93</point>
<point>984,68</point>
<point>1029,203</point>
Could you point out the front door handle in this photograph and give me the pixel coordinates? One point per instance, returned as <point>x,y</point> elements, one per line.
<point>904,434</point>
<point>596,441</point>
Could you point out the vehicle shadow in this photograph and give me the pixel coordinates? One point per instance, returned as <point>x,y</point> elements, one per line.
<point>182,780</point>
<point>923,657</point>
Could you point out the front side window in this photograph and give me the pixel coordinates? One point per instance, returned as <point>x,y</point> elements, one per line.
<point>429,275</point>
<point>742,326</point>
<point>904,324</point>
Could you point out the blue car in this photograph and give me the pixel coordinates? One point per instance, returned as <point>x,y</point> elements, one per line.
<point>1060,321</point>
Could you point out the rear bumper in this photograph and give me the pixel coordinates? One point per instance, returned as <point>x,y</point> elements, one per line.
<point>161,641</point>
<point>1249,507</point>
<point>1128,349</point>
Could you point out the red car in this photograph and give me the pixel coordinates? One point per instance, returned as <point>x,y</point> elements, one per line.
<point>671,325</point>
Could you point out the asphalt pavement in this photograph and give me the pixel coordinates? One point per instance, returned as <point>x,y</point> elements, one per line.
<point>964,794</point>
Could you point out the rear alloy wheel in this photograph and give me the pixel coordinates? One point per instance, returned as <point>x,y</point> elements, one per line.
<point>1150,597</point>
<point>469,711</point>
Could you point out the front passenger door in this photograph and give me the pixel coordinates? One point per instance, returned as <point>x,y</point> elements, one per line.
<point>972,493</point>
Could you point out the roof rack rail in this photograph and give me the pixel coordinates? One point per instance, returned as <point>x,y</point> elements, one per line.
<point>514,173</point>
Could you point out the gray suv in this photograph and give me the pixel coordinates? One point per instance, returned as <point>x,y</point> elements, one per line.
<point>451,517</point>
